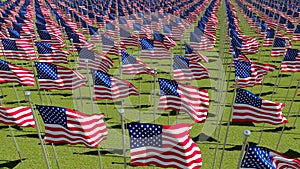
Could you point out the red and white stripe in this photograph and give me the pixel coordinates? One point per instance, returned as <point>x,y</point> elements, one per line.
<point>21,116</point>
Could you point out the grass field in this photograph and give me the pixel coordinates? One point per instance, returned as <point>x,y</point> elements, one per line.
<point>80,157</point>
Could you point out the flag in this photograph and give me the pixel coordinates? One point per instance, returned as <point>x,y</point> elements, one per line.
<point>112,88</point>
<point>19,49</point>
<point>127,39</point>
<point>193,54</point>
<point>13,73</point>
<point>261,157</point>
<point>134,66</point>
<point>149,51</point>
<point>291,61</point>
<point>51,77</point>
<point>63,125</point>
<point>165,40</point>
<point>184,98</point>
<point>96,61</point>
<point>163,146</point>
<point>49,54</point>
<point>51,38</point>
<point>200,42</point>
<point>109,46</point>
<point>21,116</point>
<point>187,70</point>
<point>296,35</point>
<point>251,108</point>
<point>269,38</point>
<point>279,46</point>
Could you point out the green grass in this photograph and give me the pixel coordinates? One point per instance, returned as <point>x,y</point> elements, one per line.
<point>80,157</point>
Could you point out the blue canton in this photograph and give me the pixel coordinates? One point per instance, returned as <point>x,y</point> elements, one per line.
<point>195,37</point>
<point>46,70</point>
<point>242,69</point>
<point>53,115</point>
<point>107,41</point>
<point>127,59</point>
<point>102,79</point>
<point>13,33</point>
<point>188,48</point>
<point>158,37</point>
<point>142,135</point>
<point>257,157</point>
<point>181,62</point>
<point>279,42</point>
<point>44,35</point>
<point>9,44</point>
<point>43,48</point>
<point>167,29</point>
<point>168,87</point>
<point>246,97</point>
<point>147,44</point>
<point>291,55</point>
<point>85,53</point>
<point>4,66</point>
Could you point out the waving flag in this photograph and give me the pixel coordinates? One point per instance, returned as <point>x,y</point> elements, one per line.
<point>13,73</point>
<point>291,61</point>
<point>149,51</point>
<point>112,88</point>
<point>110,47</point>
<point>200,42</point>
<point>63,125</point>
<point>269,38</point>
<point>279,46</point>
<point>127,39</point>
<point>53,39</point>
<point>187,70</point>
<point>250,108</point>
<point>185,98</point>
<point>95,61</point>
<point>296,35</point>
<point>163,146</point>
<point>134,66</point>
<point>194,55</point>
<point>165,40</point>
<point>51,77</point>
<point>19,49</point>
<point>49,54</point>
<point>261,157</point>
<point>21,116</point>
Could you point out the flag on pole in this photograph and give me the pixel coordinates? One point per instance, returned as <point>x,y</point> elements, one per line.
<point>51,77</point>
<point>19,49</point>
<point>13,73</point>
<point>279,46</point>
<point>134,66</point>
<point>291,61</point>
<point>187,70</point>
<point>163,146</point>
<point>96,61</point>
<point>21,116</point>
<point>251,108</point>
<point>49,54</point>
<point>112,88</point>
<point>193,54</point>
<point>184,98</point>
<point>63,125</point>
<point>261,157</point>
<point>151,51</point>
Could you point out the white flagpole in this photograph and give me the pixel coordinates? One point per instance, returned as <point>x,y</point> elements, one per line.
<point>27,94</point>
<point>154,97</point>
<point>121,111</point>
<point>247,133</point>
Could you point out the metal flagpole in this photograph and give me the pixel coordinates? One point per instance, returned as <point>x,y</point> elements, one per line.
<point>27,94</point>
<point>121,111</point>
<point>297,116</point>
<point>288,114</point>
<point>247,133</point>
<point>154,98</point>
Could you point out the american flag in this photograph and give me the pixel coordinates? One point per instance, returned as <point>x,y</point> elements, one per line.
<point>184,98</point>
<point>200,42</point>
<point>110,47</point>
<point>261,157</point>
<point>296,35</point>
<point>112,88</point>
<point>19,49</point>
<point>13,33</point>
<point>279,46</point>
<point>49,54</point>
<point>193,54</point>
<point>134,66</point>
<point>13,73</point>
<point>163,146</point>
<point>96,61</point>
<point>187,70</point>
<point>149,51</point>
<point>53,39</point>
<point>127,39</point>
<point>250,108</point>
<point>63,125</point>
<point>164,40</point>
<point>51,77</point>
<point>291,61</point>
<point>21,116</point>
<point>269,38</point>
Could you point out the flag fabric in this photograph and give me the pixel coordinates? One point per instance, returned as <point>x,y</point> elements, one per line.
<point>261,157</point>
<point>21,116</point>
<point>49,54</point>
<point>193,54</point>
<point>270,35</point>
<point>110,47</point>
<point>163,146</point>
<point>250,108</point>
<point>112,88</point>
<point>51,77</point>
<point>18,49</point>
<point>296,35</point>
<point>63,125</point>
<point>291,61</point>
<point>165,40</point>
<point>51,38</point>
<point>184,98</point>
<point>187,70</point>
<point>96,61</point>
<point>134,66</point>
<point>151,51</point>
<point>13,73</point>
<point>279,46</point>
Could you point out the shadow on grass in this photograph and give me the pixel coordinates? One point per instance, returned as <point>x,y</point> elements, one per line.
<point>15,127</point>
<point>266,93</point>
<point>143,106</point>
<point>62,94</point>
<point>278,129</point>
<point>292,154</point>
<point>102,152</point>
<point>203,137</point>
<point>240,124</point>
<point>15,102</point>
<point>2,96</point>
<point>236,147</point>
<point>10,164</point>
<point>28,135</point>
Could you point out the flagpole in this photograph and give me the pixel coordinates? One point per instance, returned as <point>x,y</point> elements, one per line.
<point>297,116</point>
<point>121,111</point>
<point>228,122</point>
<point>154,97</point>
<point>288,114</point>
<point>140,101</point>
<point>27,94</point>
<point>247,133</point>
